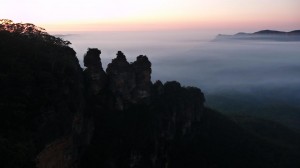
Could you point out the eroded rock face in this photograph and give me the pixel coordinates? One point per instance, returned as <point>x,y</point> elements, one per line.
<point>168,114</point>
<point>95,76</point>
<point>185,106</point>
<point>65,149</point>
<point>129,83</point>
<point>121,80</point>
<point>158,88</point>
<point>142,69</point>
<point>121,76</point>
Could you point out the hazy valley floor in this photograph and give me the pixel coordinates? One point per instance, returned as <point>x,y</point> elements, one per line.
<point>256,78</point>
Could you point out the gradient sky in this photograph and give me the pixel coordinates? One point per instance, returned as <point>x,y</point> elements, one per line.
<point>70,15</point>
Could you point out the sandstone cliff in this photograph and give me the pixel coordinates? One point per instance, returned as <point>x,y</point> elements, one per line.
<point>139,120</point>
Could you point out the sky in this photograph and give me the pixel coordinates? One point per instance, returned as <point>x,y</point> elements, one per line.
<point>118,15</point>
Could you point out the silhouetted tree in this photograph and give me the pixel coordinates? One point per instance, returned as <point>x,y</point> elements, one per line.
<point>29,30</point>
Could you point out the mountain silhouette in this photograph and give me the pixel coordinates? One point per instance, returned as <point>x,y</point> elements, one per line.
<point>269,35</point>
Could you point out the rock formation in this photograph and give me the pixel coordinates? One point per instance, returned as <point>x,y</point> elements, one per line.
<point>95,76</point>
<point>149,114</point>
<point>121,80</point>
<point>129,83</point>
<point>142,69</point>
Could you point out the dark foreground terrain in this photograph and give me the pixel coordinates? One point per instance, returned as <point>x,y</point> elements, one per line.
<point>55,114</point>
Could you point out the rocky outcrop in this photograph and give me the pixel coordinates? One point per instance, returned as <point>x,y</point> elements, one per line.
<point>142,69</point>
<point>95,76</point>
<point>121,80</point>
<point>143,119</point>
<point>126,112</point>
<point>185,107</point>
<point>129,83</point>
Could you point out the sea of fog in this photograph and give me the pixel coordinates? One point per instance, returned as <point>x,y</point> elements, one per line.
<point>249,72</point>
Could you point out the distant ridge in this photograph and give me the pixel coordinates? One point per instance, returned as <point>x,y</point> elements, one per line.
<point>270,32</point>
<point>269,35</point>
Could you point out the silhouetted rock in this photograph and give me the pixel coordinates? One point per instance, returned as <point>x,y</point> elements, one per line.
<point>95,76</point>
<point>129,83</point>
<point>158,88</point>
<point>121,80</point>
<point>142,69</point>
<point>92,58</point>
<point>185,107</point>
